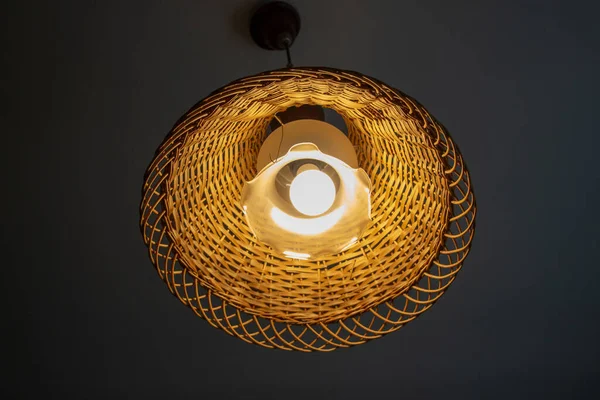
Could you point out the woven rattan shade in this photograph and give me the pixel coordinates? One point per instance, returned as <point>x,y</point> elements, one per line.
<point>423,215</point>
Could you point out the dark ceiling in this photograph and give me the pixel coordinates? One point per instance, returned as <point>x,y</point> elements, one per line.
<point>92,87</point>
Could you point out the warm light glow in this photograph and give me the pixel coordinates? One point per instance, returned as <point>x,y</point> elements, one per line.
<point>293,254</point>
<point>352,241</point>
<point>312,192</point>
<point>286,218</point>
<point>304,226</point>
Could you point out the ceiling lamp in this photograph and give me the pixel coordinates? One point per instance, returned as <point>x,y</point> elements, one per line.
<point>278,228</point>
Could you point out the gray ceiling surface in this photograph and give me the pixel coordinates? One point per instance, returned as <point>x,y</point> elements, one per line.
<point>90,89</point>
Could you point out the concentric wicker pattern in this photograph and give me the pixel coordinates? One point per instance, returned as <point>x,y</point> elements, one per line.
<point>423,214</point>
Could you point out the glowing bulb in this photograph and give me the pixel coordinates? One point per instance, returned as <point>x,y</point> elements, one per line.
<point>300,211</point>
<point>312,192</point>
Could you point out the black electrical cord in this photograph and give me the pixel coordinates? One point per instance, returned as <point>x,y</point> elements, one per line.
<point>289,57</point>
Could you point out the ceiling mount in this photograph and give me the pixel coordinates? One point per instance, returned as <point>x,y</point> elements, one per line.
<point>275,25</point>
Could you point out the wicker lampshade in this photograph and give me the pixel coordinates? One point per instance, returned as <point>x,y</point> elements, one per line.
<point>423,214</point>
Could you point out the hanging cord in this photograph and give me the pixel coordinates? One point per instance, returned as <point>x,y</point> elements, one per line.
<point>289,57</point>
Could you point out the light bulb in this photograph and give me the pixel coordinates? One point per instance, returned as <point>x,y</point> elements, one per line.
<point>312,192</point>
<point>309,210</point>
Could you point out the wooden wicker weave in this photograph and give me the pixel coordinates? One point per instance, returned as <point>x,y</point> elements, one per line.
<point>423,214</point>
